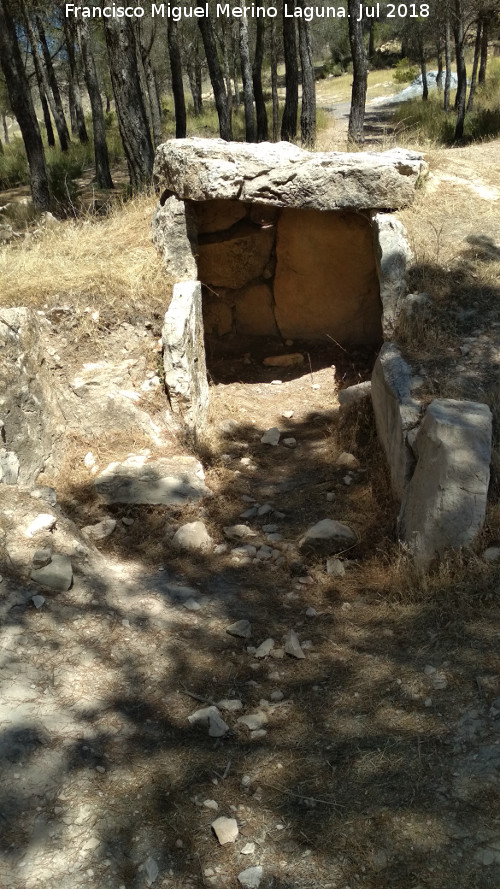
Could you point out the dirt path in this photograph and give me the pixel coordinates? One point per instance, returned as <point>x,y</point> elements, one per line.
<point>377,758</point>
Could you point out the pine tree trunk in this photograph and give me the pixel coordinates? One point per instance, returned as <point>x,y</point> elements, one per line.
<point>216,78</point>
<point>461,70</point>
<point>129,101</point>
<point>22,106</point>
<point>423,68</point>
<point>371,39</point>
<point>484,53</point>
<point>236,79</point>
<point>5,128</point>
<point>136,31</point>
<point>359,74</point>
<point>60,120</point>
<point>177,82</point>
<point>274,82</point>
<point>101,157</point>
<point>439,75</point>
<point>290,111</point>
<point>260,105</point>
<point>154,102</point>
<point>1,147</point>
<point>475,65</point>
<point>447,62</point>
<point>51,140</point>
<point>227,69</point>
<point>246,79</point>
<point>80,128</point>
<point>43,82</point>
<point>308,110</point>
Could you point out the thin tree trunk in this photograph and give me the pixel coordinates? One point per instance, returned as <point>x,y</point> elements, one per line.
<point>177,82</point>
<point>108,103</point>
<point>136,31</point>
<point>274,81</point>
<point>43,82</point>
<point>423,68</point>
<point>227,69</point>
<point>236,80</point>
<point>246,78</point>
<point>484,53</point>
<point>101,156</point>
<point>61,125</point>
<point>260,105</point>
<point>447,61</point>
<point>22,106</point>
<point>129,101</point>
<point>308,110</point>
<point>80,128</point>
<point>461,70</point>
<point>5,128</point>
<point>154,101</point>
<point>216,78</point>
<point>359,74</point>
<point>51,141</point>
<point>475,65</point>
<point>439,75</point>
<point>290,111</point>
<point>71,106</point>
<point>371,39</point>
<point>1,147</point>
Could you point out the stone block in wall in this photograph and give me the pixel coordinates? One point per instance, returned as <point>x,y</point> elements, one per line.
<point>396,413</point>
<point>392,254</point>
<point>217,215</point>
<point>254,314</point>
<point>184,356</point>
<point>235,258</point>
<point>217,315</point>
<point>174,234</point>
<point>31,422</point>
<point>326,278</point>
<point>445,502</point>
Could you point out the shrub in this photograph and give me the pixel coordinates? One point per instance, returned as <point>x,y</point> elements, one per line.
<point>405,72</point>
<point>13,165</point>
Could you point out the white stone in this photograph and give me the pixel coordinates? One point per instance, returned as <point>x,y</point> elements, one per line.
<point>248,849</point>
<point>330,533</point>
<point>172,481</point>
<point>192,536</point>
<point>392,254</point>
<point>292,645</point>
<point>211,718</point>
<point>251,877</point>
<point>239,532</point>
<point>335,568</point>
<point>100,530</point>
<point>231,704</point>
<point>271,437</point>
<point>254,721</point>
<point>354,394</point>
<point>225,829</point>
<point>43,522</point>
<point>264,648</point>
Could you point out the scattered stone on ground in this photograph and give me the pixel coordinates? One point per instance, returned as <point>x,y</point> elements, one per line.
<point>242,628</point>
<point>101,529</point>
<point>251,878</point>
<point>57,574</point>
<point>192,536</point>
<point>328,534</point>
<point>271,437</point>
<point>225,829</point>
<point>335,567</point>
<point>292,645</point>
<point>211,718</point>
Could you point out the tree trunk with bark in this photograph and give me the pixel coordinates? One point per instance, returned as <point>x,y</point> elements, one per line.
<point>481,79</point>
<point>58,114</point>
<point>234,52</point>
<point>216,78</point>
<point>447,62</point>
<point>43,84</point>
<point>359,74</point>
<point>290,111</point>
<point>51,140</point>
<point>246,79</point>
<point>423,67</point>
<point>177,83</point>
<point>308,110</point>
<point>5,128</point>
<point>274,81</point>
<point>101,156</point>
<point>129,101</point>
<point>440,65</point>
<point>475,65</point>
<point>461,70</point>
<point>80,128</point>
<point>22,105</point>
<point>260,105</point>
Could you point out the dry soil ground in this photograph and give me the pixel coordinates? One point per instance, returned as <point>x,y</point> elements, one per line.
<point>380,765</point>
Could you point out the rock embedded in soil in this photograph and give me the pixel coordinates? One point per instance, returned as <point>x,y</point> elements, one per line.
<point>251,878</point>
<point>328,534</point>
<point>58,574</point>
<point>239,532</point>
<point>241,628</point>
<point>211,718</point>
<point>292,645</point>
<point>100,530</point>
<point>347,461</point>
<point>41,557</point>
<point>354,394</point>
<point>192,537</point>
<point>225,829</point>
<point>43,522</point>
<point>335,568</point>
<point>231,704</point>
<point>264,649</point>
<point>290,443</point>
<point>271,437</point>
<point>492,554</point>
<point>254,721</point>
<point>170,481</point>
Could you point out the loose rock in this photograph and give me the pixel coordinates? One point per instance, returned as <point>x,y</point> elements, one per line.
<point>335,568</point>
<point>271,437</point>
<point>58,574</point>
<point>43,522</point>
<point>264,648</point>
<point>225,829</point>
<point>251,877</point>
<point>100,530</point>
<point>241,628</point>
<point>192,536</point>
<point>210,716</point>
<point>292,645</point>
<point>328,534</point>
<point>254,721</point>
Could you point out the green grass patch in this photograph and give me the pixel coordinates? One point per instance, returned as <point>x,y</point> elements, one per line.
<point>13,165</point>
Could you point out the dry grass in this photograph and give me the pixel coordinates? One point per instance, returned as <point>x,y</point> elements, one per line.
<point>98,262</point>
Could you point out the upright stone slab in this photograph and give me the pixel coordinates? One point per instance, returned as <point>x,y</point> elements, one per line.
<point>392,255</point>
<point>174,234</point>
<point>184,356</point>
<point>31,422</point>
<point>396,413</point>
<point>445,502</point>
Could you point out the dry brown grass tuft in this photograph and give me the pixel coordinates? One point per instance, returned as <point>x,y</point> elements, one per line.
<point>107,262</point>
